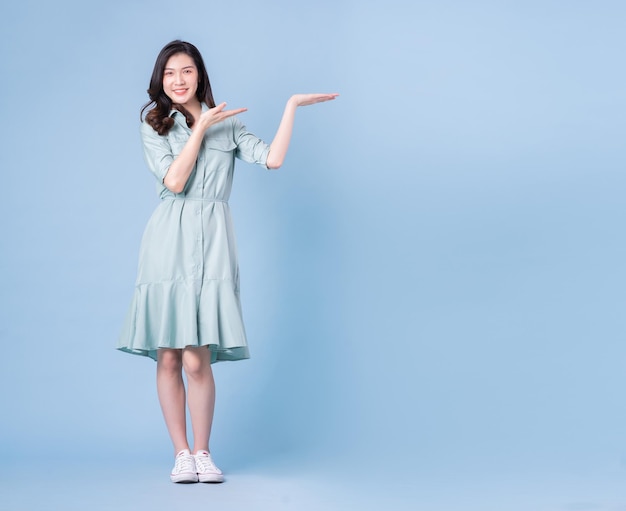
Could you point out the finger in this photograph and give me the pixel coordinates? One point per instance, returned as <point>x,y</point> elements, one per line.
<point>219,108</point>
<point>235,111</point>
<point>311,99</point>
<point>327,97</point>
<point>225,114</point>
<point>229,113</point>
<point>324,95</point>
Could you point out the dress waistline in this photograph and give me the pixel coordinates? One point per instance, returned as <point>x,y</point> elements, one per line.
<point>200,199</point>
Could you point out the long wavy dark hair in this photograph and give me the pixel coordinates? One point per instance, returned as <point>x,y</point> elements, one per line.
<point>159,116</point>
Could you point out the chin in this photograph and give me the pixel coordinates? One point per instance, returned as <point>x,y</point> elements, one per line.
<point>179,100</point>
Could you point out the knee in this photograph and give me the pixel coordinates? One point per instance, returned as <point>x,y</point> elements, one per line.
<point>197,362</point>
<point>170,361</point>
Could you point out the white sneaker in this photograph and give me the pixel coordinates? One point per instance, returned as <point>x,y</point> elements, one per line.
<point>184,470</point>
<point>207,471</point>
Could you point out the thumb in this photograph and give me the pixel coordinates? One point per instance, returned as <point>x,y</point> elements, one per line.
<point>220,107</point>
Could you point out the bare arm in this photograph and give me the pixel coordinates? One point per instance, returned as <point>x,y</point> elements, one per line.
<point>180,169</point>
<point>280,144</point>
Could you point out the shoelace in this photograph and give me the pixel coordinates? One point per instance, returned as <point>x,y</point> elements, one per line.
<point>184,463</point>
<point>204,463</point>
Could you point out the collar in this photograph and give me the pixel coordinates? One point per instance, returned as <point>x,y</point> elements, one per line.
<point>180,118</point>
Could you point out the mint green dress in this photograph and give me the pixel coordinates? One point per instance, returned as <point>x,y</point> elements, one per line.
<point>187,288</point>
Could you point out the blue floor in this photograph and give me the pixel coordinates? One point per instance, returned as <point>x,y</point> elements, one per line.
<point>65,486</point>
<point>68,487</point>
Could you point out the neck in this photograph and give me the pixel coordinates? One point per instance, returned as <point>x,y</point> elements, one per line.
<point>194,108</point>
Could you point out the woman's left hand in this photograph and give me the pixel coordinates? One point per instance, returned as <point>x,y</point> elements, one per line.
<point>278,148</point>
<point>311,99</point>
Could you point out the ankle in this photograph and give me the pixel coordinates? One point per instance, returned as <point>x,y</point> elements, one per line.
<point>178,450</point>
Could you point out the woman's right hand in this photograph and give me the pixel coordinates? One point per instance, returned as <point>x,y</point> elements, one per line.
<point>215,115</point>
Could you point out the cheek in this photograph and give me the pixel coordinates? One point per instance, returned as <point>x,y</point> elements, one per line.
<point>167,90</point>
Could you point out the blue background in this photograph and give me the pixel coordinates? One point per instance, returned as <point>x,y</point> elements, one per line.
<point>433,283</point>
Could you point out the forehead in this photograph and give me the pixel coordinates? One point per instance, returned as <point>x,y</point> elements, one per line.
<point>179,61</point>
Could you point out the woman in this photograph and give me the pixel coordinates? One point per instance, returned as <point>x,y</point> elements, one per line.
<point>186,312</point>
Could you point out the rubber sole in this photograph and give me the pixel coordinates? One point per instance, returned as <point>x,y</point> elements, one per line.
<point>184,478</point>
<point>210,478</point>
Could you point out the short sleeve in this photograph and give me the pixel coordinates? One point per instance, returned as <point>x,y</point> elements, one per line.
<point>250,148</point>
<point>157,151</point>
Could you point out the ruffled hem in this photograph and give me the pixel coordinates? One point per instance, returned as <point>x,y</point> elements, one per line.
<point>178,314</point>
<point>217,354</point>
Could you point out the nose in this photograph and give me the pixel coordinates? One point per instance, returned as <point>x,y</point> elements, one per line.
<point>180,79</point>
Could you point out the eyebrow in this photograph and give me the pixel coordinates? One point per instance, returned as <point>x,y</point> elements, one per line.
<point>172,69</point>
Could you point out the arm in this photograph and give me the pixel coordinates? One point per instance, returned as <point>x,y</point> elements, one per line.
<point>179,171</point>
<point>280,144</point>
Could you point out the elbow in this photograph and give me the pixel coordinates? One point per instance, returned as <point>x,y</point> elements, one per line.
<point>177,189</point>
<point>275,158</point>
<point>273,163</point>
<point>173,185</point>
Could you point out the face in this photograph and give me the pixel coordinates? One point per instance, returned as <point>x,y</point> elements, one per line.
<point>180,79</point>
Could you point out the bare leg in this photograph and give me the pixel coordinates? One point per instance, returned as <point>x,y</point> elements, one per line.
<point>171,390</point>
<point>200,395</point>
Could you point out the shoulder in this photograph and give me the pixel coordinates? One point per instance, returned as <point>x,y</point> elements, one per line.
<point>149,133</point>
<point>237,127</point>
<point>153,143</point>
<point>237,124</point>
<point>231,124</point>
<point>146,130</point>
